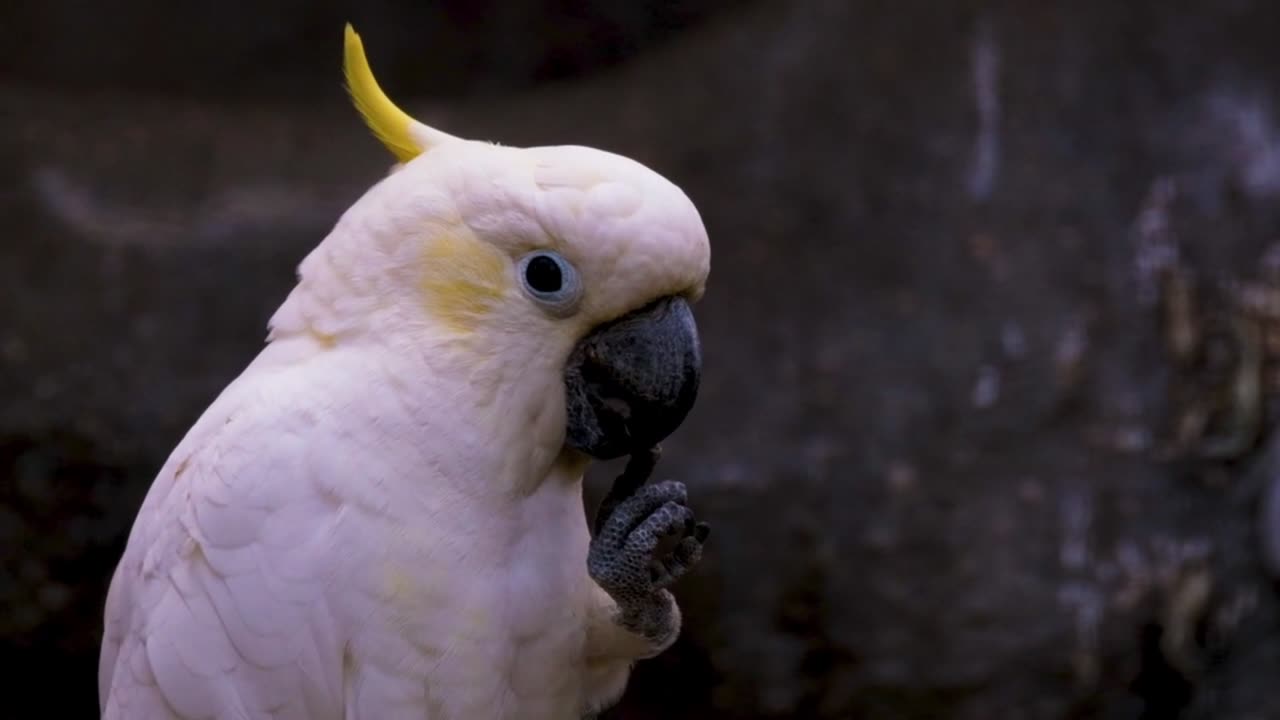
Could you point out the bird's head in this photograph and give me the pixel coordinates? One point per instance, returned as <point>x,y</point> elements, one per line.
<point>567,258</point>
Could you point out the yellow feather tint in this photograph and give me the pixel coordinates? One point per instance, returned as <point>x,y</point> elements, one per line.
<point>389,123</point>
<point>464,278</point>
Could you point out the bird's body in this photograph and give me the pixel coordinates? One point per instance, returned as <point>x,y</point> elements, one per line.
<point>493,616</point>
<point>382,517</point>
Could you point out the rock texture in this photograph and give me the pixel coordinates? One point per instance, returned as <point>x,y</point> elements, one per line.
<point>984,425</point>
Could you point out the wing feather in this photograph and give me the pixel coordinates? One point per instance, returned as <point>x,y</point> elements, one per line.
<point>216,609</point>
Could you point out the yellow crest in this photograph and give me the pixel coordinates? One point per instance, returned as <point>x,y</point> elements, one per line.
<point>405,137</point>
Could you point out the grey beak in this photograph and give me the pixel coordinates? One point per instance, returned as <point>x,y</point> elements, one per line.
<point>631,382</point>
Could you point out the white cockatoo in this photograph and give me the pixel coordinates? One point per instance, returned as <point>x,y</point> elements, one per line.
<point>382,517</point>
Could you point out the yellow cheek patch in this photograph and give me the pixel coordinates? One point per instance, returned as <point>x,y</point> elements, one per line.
<point>463,278</point>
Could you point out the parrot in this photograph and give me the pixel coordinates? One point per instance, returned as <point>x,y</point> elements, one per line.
<point>382,516</point>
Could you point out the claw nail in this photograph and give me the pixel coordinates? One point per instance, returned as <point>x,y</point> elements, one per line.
<point>701,531</point>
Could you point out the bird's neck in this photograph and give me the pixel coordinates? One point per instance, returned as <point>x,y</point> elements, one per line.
<point>487,423</point>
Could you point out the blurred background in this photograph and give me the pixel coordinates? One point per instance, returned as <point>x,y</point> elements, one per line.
<point>987,423</point>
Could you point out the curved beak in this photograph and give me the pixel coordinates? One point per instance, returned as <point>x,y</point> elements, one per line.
<point>631,382</point>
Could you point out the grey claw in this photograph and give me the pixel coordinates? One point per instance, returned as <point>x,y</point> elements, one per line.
<point>666,571</point>
<point>622,558</point>
<point>639,467</point>
<point>630,513</point>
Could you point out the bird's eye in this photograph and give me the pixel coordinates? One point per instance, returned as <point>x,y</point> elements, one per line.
<point>551,281</point>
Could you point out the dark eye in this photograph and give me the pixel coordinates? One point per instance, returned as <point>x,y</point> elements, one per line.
<point>551,281</point>
<point>543,274</point>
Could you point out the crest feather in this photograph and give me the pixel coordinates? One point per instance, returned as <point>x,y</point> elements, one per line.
<point>405,137</point>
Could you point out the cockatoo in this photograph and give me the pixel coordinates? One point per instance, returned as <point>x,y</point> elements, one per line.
<point>382,516</point>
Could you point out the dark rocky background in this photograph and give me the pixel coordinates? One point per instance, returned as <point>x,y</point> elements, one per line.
<point>989,337</point>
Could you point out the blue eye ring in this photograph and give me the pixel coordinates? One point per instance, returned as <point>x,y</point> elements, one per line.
<point>551,281</point>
